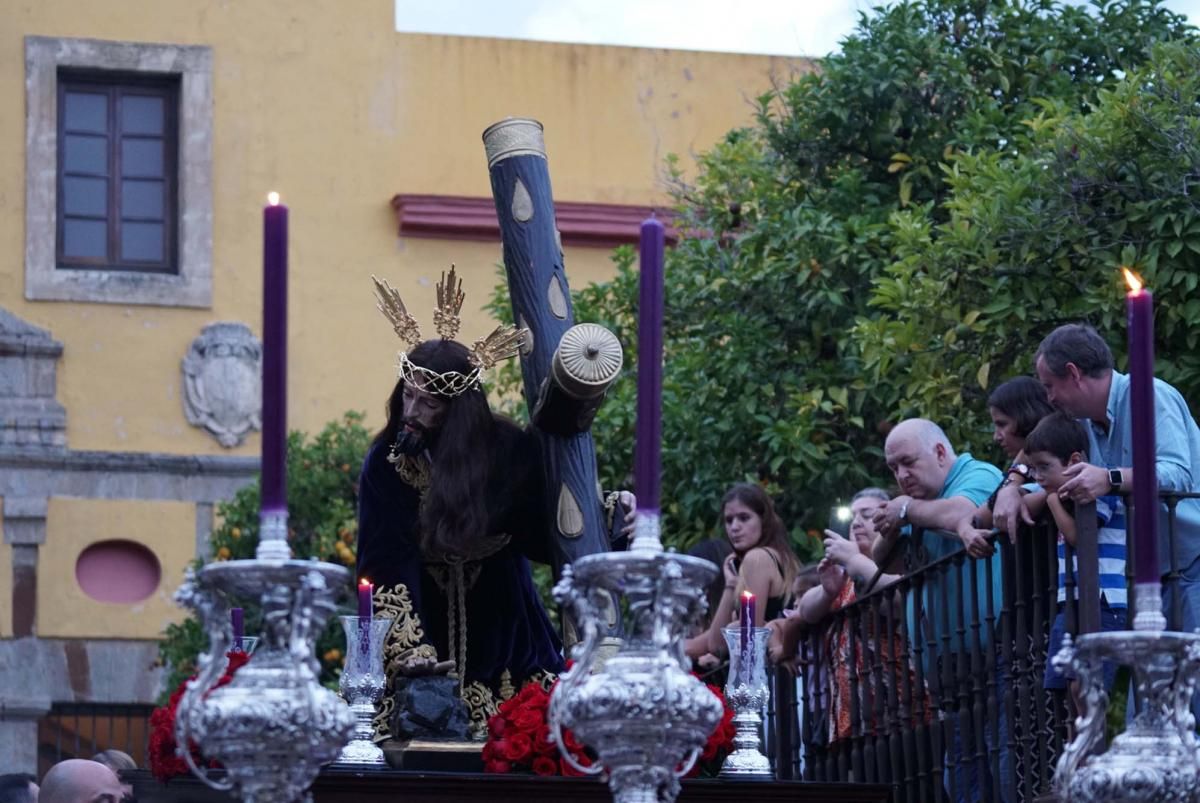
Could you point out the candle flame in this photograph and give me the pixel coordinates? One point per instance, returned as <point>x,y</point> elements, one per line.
<point>364,582</point>
<point>1131,279</point>
<point>747,595</point>
<point>273,198</point>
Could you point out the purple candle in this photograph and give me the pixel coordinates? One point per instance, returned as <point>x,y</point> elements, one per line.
<point>236,616</point>
<point>1139,303</point>
<point>274,375</point>
<point>648,443</point>
<point>365,607</point>
<point>747,620</point>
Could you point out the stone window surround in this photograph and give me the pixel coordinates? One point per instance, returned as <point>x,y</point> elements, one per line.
<point>192,286</point>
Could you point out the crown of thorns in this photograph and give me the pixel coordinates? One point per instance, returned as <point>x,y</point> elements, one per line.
<point>503,343</point>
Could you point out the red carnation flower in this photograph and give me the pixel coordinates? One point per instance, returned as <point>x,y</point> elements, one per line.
<point>544,765</point>
<point>570,771</point>
<point>519,748</point>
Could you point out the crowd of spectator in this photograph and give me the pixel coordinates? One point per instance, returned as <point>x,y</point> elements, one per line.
<point>1065,435</point>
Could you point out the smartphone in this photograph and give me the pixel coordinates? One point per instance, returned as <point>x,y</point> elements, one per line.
<point>839,520</point>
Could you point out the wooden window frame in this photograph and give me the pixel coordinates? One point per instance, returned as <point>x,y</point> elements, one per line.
<point>117,85</point>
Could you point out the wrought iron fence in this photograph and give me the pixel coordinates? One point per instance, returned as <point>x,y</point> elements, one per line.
<point>935,684</point>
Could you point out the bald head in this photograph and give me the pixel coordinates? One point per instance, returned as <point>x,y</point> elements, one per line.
<point>920,457</point>
<point>78,780</point>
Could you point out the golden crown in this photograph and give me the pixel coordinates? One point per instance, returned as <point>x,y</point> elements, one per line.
<point>504,342</point>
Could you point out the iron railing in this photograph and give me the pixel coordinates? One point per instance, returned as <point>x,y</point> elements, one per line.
<point>935,684</point>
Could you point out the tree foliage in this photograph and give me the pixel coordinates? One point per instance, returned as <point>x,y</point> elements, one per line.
<point>322,493</point>
<point>835,273</point>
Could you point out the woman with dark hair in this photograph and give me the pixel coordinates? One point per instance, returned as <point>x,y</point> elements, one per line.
<point>762,563</point>
<point>450,512</point>
<point>1016,407</point>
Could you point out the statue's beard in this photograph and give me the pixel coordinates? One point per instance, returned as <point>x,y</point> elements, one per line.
<point>413,439</point>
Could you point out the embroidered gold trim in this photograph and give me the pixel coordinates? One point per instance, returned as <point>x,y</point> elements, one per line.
<point>481,706</point>
<point>403,643</point>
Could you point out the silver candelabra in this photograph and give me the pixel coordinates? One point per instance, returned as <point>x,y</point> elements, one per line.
<point>1157,758</point>
<point>273,725</point>
<point>642,712</point>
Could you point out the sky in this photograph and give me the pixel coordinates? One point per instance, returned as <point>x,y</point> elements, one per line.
<point>777,27</point>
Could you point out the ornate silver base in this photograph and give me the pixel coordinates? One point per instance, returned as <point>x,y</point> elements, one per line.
<point>273,725</point>
<point>361,750</point>
<point>642,712</point>
<point>746,761</point>
<point>1158,757</point>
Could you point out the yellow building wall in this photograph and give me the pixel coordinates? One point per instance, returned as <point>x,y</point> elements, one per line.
<point>324,102</point>
<point>64,611</point>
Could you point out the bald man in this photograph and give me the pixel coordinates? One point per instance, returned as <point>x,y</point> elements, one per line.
<point>939,488</point>
<point>78,780</point>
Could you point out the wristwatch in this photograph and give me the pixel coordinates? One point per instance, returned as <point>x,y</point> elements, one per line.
<point>1022,469</point>
<point>1115,478</point>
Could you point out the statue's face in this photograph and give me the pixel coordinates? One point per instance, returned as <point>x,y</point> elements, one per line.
<point>423,411</point>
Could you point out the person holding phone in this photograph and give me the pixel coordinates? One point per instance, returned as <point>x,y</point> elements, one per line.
<point>762,563</point>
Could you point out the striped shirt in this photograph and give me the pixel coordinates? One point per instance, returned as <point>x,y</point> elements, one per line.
<point>1110,537</point>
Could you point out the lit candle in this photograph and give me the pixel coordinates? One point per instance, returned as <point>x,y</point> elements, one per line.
<point>1139,304</point>
<point>747,619</point>
<point>365,607</point>
<point>236,616</point>
<point>648,443</point>
<point>274,373</point>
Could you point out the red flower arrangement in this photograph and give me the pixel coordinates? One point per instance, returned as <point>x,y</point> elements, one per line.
<point>519,739</point>
<point>164,762</point>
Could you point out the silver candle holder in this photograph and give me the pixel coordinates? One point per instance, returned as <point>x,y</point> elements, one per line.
<point>1157,758</point>
<point>362,685</point>
<point>273,725</point>
<point>747,692</point>
<point>642,712</point>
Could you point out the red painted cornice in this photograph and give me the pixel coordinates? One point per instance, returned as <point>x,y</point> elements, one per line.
<point>452,217</point>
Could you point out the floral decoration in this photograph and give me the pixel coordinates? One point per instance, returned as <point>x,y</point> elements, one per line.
<point>519,739</point>
<point>165,762</point>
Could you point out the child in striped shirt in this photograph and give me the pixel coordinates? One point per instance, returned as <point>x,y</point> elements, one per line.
<point>1056,442</point>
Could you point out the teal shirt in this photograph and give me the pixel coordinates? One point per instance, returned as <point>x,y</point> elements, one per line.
<point>1177,460</point>
<point>973,480</point>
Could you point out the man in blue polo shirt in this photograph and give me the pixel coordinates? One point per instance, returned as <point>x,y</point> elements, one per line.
<point>938,489</point>
<point>1076,366</point>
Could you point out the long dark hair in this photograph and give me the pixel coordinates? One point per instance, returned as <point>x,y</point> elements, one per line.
<point>1023,399</point>
<point>454,511</point>
<point>774,533</point>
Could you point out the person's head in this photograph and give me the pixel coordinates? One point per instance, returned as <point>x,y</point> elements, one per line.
<point>920,457</point>
<point>1075,365</point>
<point>1056,442</point>
<point>79,780</point>
<point>750,521</point>
<point>18,787</point>
<point>432,408</point>
<point>116,760</point>
<point>862,508</point>
<point>1016,406</point>
<point>424,404</point>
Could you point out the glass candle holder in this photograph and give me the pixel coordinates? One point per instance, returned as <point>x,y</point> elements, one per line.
<point>362,684</point>
<point>747,692</point>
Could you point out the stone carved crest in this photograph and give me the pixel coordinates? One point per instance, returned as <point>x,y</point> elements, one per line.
<point>222,382</point>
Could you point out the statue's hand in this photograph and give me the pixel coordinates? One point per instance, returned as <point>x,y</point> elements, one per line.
<point>419,663</point>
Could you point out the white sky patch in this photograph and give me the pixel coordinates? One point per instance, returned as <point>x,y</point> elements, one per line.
<point>778,27</point>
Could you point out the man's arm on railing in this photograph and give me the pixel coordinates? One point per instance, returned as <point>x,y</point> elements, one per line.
<point>942,515</point>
